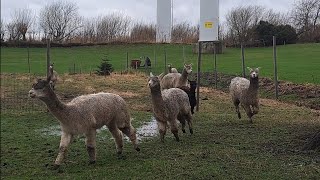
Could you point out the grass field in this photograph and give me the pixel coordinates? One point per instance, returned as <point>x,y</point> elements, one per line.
<point>222,146</point>
<point>297,63</point>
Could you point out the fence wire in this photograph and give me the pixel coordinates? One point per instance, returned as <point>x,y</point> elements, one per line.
<point>14,94</point>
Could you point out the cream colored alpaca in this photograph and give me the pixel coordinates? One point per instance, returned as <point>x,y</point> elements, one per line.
<point>85,114</point>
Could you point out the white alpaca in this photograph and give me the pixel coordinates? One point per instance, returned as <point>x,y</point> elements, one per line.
<point>245,91</point>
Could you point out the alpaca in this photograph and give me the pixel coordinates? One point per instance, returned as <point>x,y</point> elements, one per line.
<point>246,92</point>
<point>54,77</point>
<point>191,91</point>
<point>85,114</point>
<point>169,106</point>
<point>172,69</point>
<point>173,80</point>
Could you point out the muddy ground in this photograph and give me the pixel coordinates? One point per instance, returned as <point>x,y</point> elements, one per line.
<point>307,95</point>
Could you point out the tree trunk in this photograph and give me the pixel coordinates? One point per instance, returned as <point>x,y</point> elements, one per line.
<point>313,142</point>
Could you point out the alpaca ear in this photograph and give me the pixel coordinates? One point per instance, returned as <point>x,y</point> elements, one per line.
<point>249,68</point>
<point>151,75</point>
<point>191,64</point>
<point>258,69</point>
<point>160,76</point>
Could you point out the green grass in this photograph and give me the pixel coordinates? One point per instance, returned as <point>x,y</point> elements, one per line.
<point>297,63</point>
<point>222,147</point>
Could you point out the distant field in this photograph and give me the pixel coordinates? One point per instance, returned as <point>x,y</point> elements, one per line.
<point>298,63</point>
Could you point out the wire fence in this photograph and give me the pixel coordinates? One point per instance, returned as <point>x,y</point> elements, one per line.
<point>14,94</point>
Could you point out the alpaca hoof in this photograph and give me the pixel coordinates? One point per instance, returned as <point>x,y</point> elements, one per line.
<point>137,149</point>
<point>191,131</point>
<point>177,139</point>
<point>92,162</point>
<point>120,156</point>
<point>54,167</point>
<point>239,115</point>
<point>183,130</point>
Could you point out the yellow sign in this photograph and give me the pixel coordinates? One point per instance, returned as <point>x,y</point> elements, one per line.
<point>208,25</point>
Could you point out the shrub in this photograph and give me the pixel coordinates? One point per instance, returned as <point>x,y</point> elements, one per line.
<point>105,68</point>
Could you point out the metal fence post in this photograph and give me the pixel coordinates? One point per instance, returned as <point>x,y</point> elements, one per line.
<point>275,66</point>
<point>243,64</point>
<point>215,66</point>
<point>198,75</point>
<point>165,62</point>
<point>48,56</point>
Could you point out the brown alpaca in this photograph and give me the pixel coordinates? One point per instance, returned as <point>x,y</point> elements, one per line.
<point>169,106</point>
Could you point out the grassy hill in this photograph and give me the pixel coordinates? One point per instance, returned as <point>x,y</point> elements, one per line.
<point>297,63</point>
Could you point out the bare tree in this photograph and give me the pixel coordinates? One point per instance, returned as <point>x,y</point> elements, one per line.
<point>184,32</point>
<point>112,27</point>
<point>22,19</point>
<point>60,20</point>
<point>241,20</point>
<point>89,30</point>
<point>306,15</point>
<point>142,32</point>
<point>2,30</point>
<point>13,31</point>
<point>276,18</point>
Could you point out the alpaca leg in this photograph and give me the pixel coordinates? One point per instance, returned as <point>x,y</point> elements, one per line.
<point>248,111</point>
<point>255,109</point>
<point>117,135</point>
<point>183,123</point>
<point>64,143</point>
<point>131,133</point>
<point>162,130</point>
<point>91,146</point>
<point>236,104</point>
<point>174,129</point>
<point>192,109</point>
<point>189,120</point>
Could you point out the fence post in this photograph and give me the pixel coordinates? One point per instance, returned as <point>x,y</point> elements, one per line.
<point>28,60</point>
<point>243,65</point>
<point>165,62</point>
<point>275,66</point>
<point>155,58</point>
<point>215,66</point>
<point>184,55</point>
<point>198,75</point>
<point>127,60</point>
<point>48,56</point>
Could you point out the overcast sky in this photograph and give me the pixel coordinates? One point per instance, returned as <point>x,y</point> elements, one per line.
<point>145,10</point>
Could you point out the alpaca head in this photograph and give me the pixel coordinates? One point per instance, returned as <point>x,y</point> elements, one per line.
<point>154,82</point>
<point>193,85</point>
<point>188,68</point>
<point>254,73</point>
<point>41,87</point>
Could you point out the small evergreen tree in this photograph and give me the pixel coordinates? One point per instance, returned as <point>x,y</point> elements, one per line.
<point>105,67</point>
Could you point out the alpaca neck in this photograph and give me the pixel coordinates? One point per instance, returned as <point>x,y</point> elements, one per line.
<point>53,102</point>
<point>254,86</point>
<point>158,104</point>
<point>156,97</point>
<point>184,76</point>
